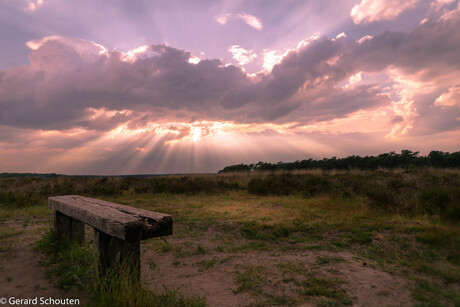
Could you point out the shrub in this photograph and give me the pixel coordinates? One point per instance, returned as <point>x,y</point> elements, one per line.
<point>10,199</point>
<point>434,200</point>
<point>283,184</point>
<point>451,212</point>
<point>258,186</point>
<point>392,196</point>
<point>383,199</point>
<point>316,185</point>
<point>184,185</point>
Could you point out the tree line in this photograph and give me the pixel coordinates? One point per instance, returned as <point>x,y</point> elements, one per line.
<point>391,160</point>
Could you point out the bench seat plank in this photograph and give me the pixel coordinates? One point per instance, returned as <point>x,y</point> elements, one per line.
<point>119,221</point>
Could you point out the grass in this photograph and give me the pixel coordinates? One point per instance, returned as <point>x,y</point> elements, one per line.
<point>327,260</point>
<point>404,244</point>
<point>291,268</point>
<point>404,222</point>
<point>395,242</point>
<point>7,235</point>
<point>251,279</point>
<point>205,265</point>
<point>21,212</point>
<point>326,288</point>
<point>308,284</point>
<point>75,269</point>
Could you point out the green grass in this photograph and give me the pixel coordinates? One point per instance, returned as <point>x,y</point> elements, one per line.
<point>307,283</point>
<point>326,288</point>
<point>291,268</point>
<point>327,260</point>
<point>205,265</point>
<point>21,212</point>
<point>251,279</point>
<point>7,235</point>
<point>427,291</point>
<point>8,232</point>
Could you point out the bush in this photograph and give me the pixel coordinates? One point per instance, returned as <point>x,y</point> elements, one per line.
<point>284,184</point>
<point>391,196</point>
<point>183,185</point>
<point>452,211</point>
<point>434,200</point>
<point>383,199</point>
<point>315,185</point>
<point>9,199</point>
<point>258,186</point>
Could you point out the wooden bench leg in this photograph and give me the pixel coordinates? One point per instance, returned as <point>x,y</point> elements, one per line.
<point>116,254</point>
<point>67,227</point>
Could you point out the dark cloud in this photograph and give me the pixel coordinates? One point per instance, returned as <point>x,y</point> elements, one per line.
<point>397,119</point>
<point>439,120</point>
<point>341,103</point>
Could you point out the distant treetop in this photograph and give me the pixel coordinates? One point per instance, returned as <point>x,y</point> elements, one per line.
<point>405,159</point>
<point>11,175</point>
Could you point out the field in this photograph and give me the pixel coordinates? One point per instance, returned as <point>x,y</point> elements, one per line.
<point>320,238</point>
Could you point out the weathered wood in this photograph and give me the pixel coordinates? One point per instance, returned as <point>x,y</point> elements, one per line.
<point>67,227</point>
<point>115,254</point>
<point>118,229</point>
<point>119,221</point>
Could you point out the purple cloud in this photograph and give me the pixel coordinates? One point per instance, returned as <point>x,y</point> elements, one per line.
<point>67,79</point>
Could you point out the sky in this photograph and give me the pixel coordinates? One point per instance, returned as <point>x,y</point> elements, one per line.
<point>116,87</point>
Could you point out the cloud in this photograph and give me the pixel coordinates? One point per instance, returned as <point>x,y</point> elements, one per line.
<point>365,38</point>
<point>241,55</point>
<point>397,119</point>
<point>271,58</point>
<point>376,10</point>
<point>222,19</point>
<point>426,51</point>
<point>32,5</point>
<point>439,4</point>
<point>249,19</point>
<point>450,98</point>
<point>78,84</point>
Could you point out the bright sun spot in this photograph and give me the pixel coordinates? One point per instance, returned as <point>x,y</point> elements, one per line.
<point>132,55</point>
<point>195,133</point>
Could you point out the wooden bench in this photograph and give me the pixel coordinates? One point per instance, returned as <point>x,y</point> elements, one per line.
<point>118,228</point>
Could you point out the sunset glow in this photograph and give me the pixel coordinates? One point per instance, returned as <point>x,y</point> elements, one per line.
<point>182,88</point>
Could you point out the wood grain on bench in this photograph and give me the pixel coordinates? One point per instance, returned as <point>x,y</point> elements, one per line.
<point>119,221</point>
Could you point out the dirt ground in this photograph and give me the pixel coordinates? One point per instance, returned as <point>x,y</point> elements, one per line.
<point>21,273</point>
<point>362,282</point>
<point>23,276</point>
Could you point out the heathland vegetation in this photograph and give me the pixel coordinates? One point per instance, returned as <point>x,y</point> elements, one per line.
<point>280,237</point>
